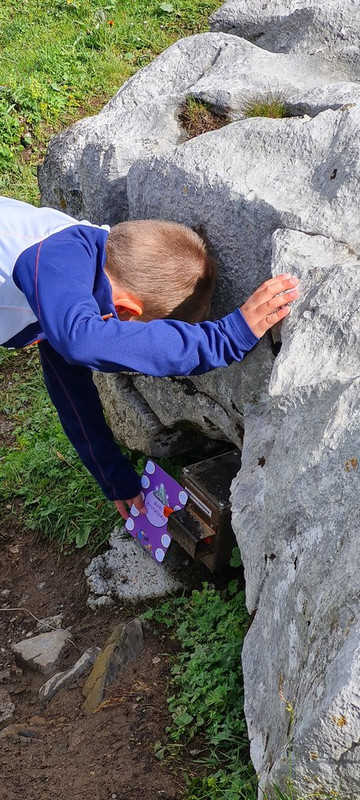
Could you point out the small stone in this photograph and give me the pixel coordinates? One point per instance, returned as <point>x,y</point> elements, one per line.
<point>12,732</point>
<point>124,646</point>
<point>49,623</point>
<point>5,593</point>
<point>43,652</point>
<point>41,585</point>
<point>37,720</point>
<point>156,660</point>
<point>4,675</point>
<point>62,679</point>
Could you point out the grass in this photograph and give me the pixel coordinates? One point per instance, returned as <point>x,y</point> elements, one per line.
<point>206,701</point>
<point>58,496</point>
<point>62,60</point>
<point>40,468</point>
<point>267,105</point>
<point>198,116</point>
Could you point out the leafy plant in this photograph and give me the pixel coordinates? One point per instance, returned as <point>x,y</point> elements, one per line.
<point>206,681</point>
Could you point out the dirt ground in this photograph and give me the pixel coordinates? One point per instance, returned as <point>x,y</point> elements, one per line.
<point>102,757</point>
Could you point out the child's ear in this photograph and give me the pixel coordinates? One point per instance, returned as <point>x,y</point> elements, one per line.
<point>127,305</point>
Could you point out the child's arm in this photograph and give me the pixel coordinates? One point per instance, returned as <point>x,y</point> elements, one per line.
<point>58,280</point>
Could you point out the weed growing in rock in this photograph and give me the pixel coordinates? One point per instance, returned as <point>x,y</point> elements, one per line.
<point>197,117</point>
<point>268,105</point>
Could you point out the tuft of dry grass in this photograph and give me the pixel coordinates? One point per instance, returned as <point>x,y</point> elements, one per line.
<point>197,117</point>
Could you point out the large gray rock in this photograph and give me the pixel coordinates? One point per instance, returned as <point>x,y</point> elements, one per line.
<point>327,31</point>
<point>231,181</point>
<point>85,168</point>
<point>300,548</point>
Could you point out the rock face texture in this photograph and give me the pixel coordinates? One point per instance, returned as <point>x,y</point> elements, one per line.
<point>273,195</point>
<point>85,167</point>
<point>324,31</point>
<point>126,572</point>
<point>303,518</point>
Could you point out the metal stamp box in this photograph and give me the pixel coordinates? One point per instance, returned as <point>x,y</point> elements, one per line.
<point>203,528</point>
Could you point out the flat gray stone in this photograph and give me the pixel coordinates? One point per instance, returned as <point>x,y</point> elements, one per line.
<point>43,652</point>
<point>62,679</point>
<point>127,572</point>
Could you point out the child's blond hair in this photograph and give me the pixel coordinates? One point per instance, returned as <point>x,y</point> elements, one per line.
<point>166,265</point>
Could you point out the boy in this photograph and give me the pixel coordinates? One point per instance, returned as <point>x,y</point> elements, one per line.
<point>75,289</point>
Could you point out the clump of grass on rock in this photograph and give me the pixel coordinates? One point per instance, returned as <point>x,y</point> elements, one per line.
<point>198,116</point>
<point>267,105</point>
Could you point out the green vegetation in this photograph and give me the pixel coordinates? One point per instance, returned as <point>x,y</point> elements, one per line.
<point>62,60</point>
<point>207,697</point>
<point>58,496</point>
<point>198,116</point>
<point>268,105</point>
<point>41,468</point>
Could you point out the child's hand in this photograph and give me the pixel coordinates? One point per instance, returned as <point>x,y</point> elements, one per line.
<point>267,305</point>
<point>137,501</point>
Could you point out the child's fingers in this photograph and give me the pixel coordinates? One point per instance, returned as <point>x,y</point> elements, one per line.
<point>273,286</point>
<point>138,502</point>
<point>272,319</point>
<point>276,302</point>
<point>120,505</point>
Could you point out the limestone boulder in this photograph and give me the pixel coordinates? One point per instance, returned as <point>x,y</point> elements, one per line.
<point>86,166</point>
<point>297,521</point>
<point>249,178</point>
<point>328,32</point>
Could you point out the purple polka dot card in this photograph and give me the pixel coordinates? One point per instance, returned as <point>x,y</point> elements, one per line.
<point>161,493</point>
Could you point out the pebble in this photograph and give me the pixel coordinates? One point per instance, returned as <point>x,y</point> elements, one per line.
<point>49,623</point>
<point>5,593</point>
<point>42,652</point>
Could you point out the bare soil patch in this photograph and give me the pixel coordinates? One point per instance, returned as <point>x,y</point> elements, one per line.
<point>102,757</point>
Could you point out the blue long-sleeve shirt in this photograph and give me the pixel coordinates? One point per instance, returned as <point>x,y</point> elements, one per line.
<point>67,293</point>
